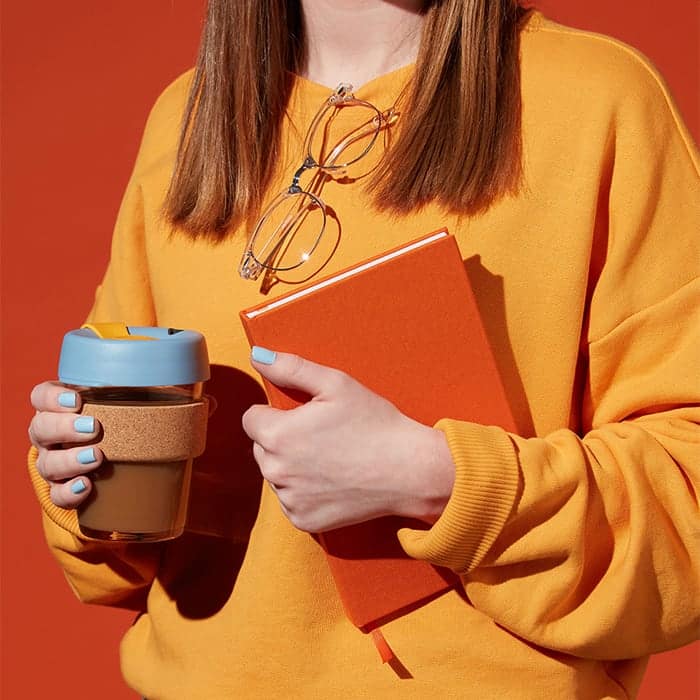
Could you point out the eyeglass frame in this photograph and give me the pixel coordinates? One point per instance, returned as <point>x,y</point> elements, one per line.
<point>250,267</point>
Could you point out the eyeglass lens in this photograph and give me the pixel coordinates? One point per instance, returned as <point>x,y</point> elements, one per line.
<point>289,231</point>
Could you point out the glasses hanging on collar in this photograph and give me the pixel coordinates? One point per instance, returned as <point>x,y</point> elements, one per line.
<point>343,131</point>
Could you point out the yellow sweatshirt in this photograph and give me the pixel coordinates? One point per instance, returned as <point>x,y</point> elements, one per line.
<point>577,540</point>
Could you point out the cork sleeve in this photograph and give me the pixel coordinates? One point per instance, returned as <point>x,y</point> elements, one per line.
<point>151,433</point>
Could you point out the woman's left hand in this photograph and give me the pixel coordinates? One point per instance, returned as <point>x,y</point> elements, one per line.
<point>347,455</point>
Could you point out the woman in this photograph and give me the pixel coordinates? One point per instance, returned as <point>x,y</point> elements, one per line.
<point>559,163</point>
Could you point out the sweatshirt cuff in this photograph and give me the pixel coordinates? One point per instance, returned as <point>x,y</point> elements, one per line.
<point>66,519</point>
<point>487,483</point>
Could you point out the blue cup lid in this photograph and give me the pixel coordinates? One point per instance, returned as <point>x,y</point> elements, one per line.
<point>113,354</point>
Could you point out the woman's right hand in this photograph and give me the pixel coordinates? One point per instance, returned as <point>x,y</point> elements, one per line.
<point>63,440</point>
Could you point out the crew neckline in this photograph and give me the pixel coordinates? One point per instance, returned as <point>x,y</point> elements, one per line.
<point>389,76</point>
<point>384,88</point>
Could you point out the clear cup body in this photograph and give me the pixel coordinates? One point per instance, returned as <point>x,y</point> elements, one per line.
<point>141,490</point>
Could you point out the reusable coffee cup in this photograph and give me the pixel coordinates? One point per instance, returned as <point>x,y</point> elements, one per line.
<point>144,385</point>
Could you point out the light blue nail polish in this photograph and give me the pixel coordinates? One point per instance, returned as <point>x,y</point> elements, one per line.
<point>78,486</point>
<point>86,456</point>
<point>67,399</point>
<point>84,424</point>
<point>263,355</point>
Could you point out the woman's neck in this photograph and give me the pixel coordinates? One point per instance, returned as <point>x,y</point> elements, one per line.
<point>354,41</point>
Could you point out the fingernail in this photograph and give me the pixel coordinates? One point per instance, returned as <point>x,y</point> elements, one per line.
<point>87,456</point>
<point>67,399</point>
<point>263,355</point>
<point>84,424</point>
<point>78,486</point>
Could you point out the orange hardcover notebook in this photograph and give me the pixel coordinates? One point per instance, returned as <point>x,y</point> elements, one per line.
<point>406,325</point>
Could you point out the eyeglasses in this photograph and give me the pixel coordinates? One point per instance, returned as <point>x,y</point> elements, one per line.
<point>343,131</point>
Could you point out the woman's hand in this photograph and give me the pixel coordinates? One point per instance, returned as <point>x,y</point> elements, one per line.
<point>347,455</point>
<point>63,441</point>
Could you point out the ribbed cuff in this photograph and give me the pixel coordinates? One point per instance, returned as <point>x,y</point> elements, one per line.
<point>487,480</point>
<point>66,519</point>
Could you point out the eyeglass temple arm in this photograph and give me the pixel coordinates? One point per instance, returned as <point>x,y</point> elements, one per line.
<point>385,119</point>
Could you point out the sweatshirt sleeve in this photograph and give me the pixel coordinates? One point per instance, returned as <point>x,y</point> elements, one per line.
<point>98,572</point>
<point>104,572</point>
<point>588,541</point>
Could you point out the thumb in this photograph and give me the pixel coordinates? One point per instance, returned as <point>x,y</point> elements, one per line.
<point>292,372</point>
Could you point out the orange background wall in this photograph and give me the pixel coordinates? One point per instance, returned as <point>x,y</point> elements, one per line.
<point>78,77</point>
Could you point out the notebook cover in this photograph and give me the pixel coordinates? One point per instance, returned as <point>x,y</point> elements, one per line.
<point>408,328</point>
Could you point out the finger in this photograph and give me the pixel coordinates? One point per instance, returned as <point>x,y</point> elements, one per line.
<point>60,465</point>
<point>47,429</point>
<point>53,396</point>
<point>261,425</point>
<point>294,372</point>
<point>270,469</point>
<point>72,493</point>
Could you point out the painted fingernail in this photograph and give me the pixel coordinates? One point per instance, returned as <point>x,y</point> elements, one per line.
<point>87,456</point>
<point>263,355</point>
<point>78,486</point>
<point>67,399</point>
<point>84,424</point>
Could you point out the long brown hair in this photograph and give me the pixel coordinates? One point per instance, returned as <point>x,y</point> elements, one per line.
<point>459,145</point>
